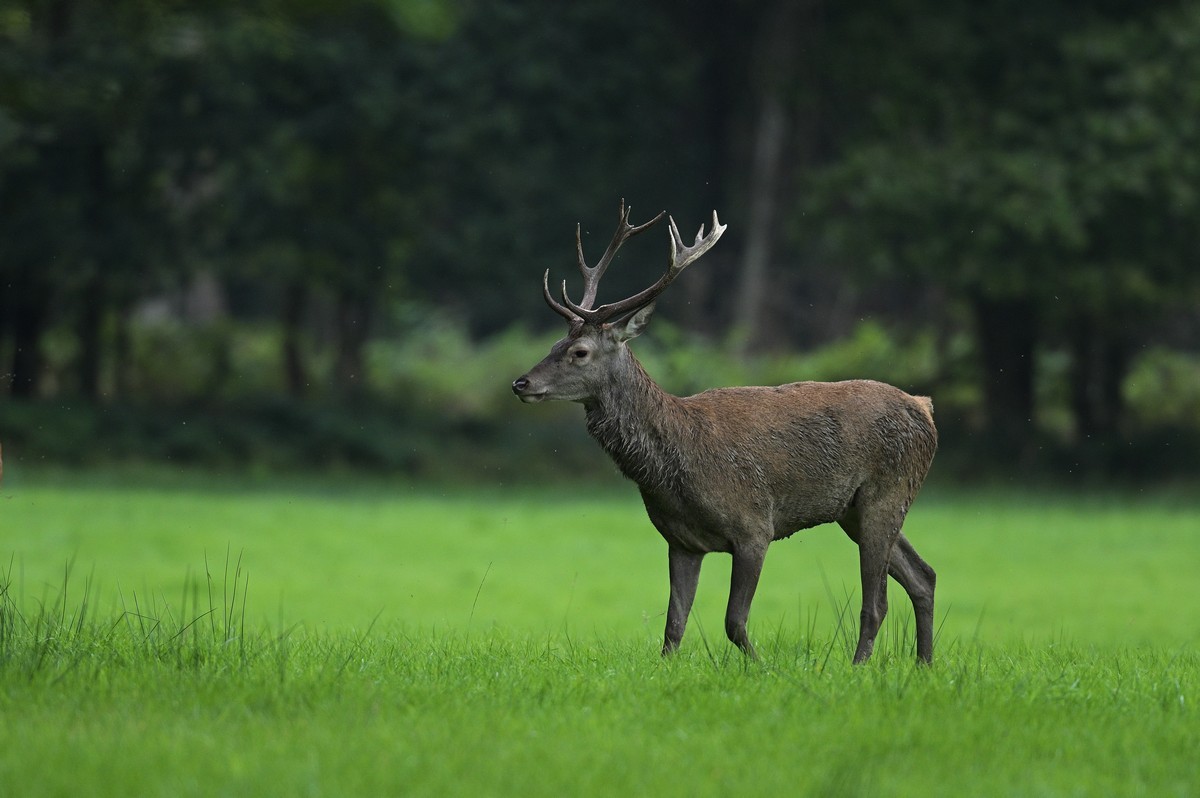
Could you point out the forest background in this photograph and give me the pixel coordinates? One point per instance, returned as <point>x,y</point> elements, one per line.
<point>310,234</point>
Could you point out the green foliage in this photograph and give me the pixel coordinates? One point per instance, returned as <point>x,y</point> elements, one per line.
<point>537,115</point>
<point>684,364</point>
<point>1164,386</point>
<point>439,370</point>
<point>1069,180</point>
<point>440,404</point>
<point>1041,172</point>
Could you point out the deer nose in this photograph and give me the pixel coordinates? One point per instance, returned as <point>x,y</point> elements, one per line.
<point>520,384</point>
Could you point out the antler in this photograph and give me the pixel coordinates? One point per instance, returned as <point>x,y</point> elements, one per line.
<point>680,258</point>
<point>592,274</point>
<point>625,231</point>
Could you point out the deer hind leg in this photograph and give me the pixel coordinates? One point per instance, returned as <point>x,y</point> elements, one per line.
<point>875,530</point>
<point>685,575</point>
<point>918,580</point>
<point>743,581</point>
<point>873,568</point>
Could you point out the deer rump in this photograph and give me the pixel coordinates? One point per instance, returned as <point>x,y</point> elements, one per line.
<point>770,461</point>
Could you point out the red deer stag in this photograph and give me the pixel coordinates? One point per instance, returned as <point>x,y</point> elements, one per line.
<point>733,469</point>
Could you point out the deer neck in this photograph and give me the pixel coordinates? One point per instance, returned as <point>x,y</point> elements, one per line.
<point>637,423</point>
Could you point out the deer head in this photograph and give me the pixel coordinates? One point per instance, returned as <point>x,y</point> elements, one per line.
<point>580,365</point>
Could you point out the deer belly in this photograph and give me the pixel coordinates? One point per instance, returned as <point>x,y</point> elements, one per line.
<point>812,511</point>
<point>698,540</point>
<point>690,525</point>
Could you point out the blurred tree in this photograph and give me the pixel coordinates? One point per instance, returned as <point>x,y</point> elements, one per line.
<point>35,116</point>
<point>85,221</point>
<point>783,82</point>
<point>535,115</point>
<point>314,195</point>
<point>329,149</point>
<point>1038,167</point>
<point>334,160</point>
<point>442,152</point>
<point>1132,139</point>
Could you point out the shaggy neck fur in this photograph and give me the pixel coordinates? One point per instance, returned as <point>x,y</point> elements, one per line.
<point>638,424</point>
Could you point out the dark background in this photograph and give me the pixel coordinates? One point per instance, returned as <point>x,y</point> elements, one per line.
<point>295,235</point>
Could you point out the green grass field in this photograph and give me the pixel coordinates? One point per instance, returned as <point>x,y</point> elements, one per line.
<point>385,639</point>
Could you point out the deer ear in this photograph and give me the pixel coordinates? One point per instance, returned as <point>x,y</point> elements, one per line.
<point>632,326</point>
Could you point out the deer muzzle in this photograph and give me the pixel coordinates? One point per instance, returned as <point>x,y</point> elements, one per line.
<point>525,390</point>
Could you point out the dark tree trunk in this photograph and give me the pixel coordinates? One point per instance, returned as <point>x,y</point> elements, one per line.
<point>93,295</point>
<point>1007,337</point>
<point>351,323</point>
<point>122,365</point>
<point>295,374</point>
<point>28,323</point>
<point>1100,358</point>
<point>723,47</point>
<point>30,295</point>
<point>758,246</point>
<point>5,331</point>
<point>90,331</point>
<point>785,31</point>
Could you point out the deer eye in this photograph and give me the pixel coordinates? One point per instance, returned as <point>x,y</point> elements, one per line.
<point>579,354</point>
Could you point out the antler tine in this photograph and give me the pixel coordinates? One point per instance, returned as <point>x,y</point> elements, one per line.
<point>555,306</point>
<point>592,274</point>
<point>680,258</point>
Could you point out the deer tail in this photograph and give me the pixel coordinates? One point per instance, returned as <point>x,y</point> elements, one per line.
<point>927,405</point>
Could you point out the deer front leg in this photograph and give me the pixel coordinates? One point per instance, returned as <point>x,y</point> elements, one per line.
<point>747,565</point>
<point>685,575</point>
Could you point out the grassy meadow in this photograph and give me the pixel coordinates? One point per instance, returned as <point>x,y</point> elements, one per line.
<point>195,636</point>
